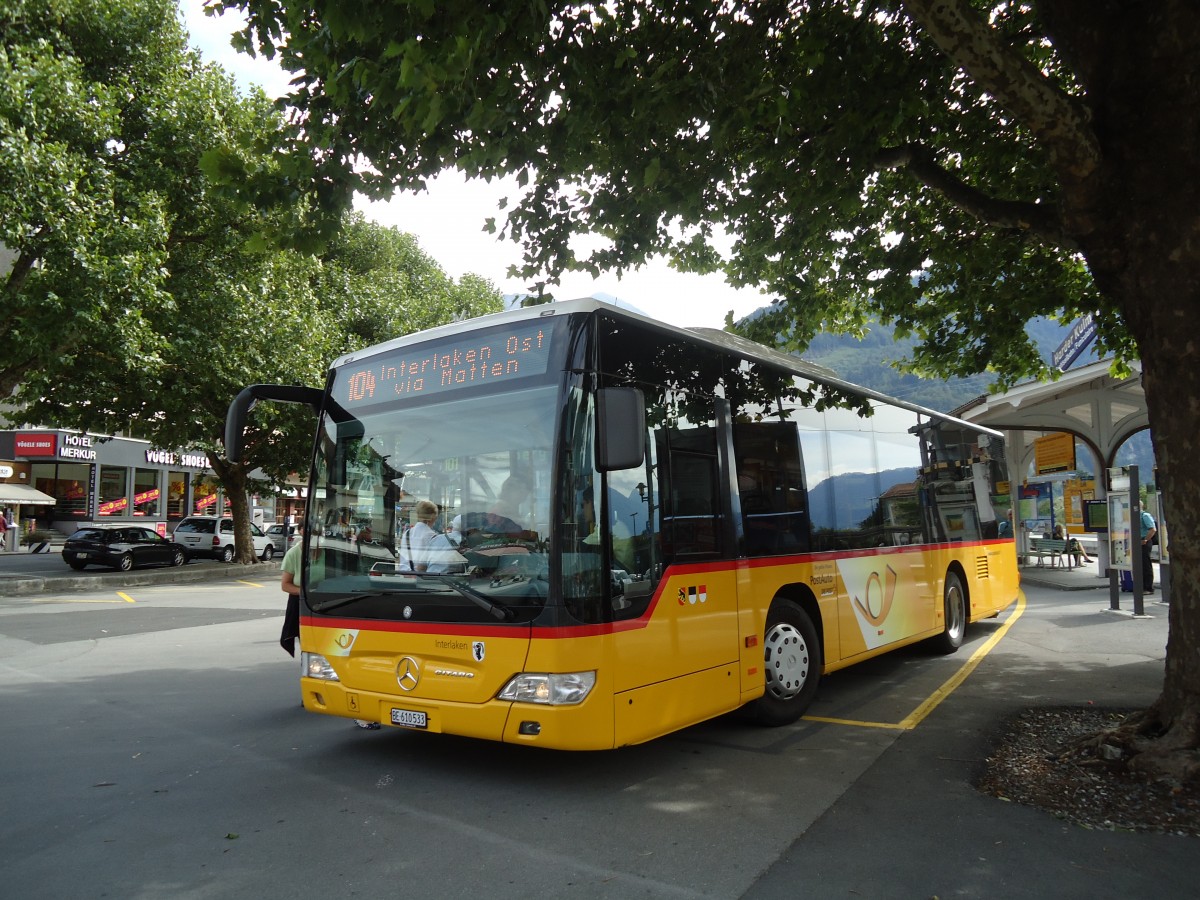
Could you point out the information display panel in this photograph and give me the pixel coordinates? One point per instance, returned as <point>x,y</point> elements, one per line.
<point>438,367</point>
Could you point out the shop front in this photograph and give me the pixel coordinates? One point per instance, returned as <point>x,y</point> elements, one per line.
<point>16,498</point>
<point>90,478</point>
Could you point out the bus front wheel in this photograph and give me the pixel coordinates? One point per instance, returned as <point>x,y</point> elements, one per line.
<point>791,663</point>
<point>954,600</point>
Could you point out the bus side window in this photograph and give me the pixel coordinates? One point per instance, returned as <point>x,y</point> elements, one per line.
<point>771,488</point>
<point>692,521</point>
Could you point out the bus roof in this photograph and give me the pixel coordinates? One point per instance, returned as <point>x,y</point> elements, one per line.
<point>715,338</point>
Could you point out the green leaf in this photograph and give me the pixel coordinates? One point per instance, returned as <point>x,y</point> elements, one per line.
<point>650,175</point>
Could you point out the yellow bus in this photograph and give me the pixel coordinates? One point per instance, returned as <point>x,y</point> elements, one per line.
<point>571,526</point>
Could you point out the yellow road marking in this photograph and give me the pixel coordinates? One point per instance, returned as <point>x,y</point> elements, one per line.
<point>251,583</point>
<point>913,719</point>
<point>856,722</point>
<point>124,596</point>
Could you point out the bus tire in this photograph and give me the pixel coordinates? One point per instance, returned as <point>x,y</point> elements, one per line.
<point>791,665</point>
<point>954,602</point>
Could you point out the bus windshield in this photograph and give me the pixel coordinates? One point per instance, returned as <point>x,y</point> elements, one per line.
<point>434,511</point>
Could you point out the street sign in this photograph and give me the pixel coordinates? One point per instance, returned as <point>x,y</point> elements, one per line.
<point>1080,336</point>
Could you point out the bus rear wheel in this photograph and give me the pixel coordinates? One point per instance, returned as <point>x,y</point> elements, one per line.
<point>791,663</point>
<point>954,601</point>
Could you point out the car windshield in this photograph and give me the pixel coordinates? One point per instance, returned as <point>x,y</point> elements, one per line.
<point>444,507</point>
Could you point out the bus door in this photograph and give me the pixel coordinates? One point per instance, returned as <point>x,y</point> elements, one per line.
<point>690,632</point>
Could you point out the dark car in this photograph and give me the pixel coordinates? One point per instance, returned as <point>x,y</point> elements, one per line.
<point>122,547</point>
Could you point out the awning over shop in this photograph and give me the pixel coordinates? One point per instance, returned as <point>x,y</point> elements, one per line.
<point>23,493</point>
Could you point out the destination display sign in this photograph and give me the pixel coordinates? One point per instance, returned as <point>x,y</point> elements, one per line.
<point>468,360</point>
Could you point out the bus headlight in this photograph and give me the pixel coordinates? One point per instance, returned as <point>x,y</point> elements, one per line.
<point>562,689</point>
<point>314,665</point>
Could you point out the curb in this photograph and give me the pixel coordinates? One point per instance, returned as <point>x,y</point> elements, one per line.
<point>1101,584</point>
<point>22,585</point>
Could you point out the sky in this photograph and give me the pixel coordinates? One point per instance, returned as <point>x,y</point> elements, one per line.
<point>449,217</point>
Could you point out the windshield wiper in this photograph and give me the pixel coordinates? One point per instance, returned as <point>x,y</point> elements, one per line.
<point>323,605</point>
<point>480,599</point>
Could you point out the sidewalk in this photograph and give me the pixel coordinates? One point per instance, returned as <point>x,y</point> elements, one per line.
<point>1077,578</point>
<point>1086,578</point>
<point>914,826</point>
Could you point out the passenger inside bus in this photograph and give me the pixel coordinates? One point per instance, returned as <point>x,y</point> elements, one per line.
<point>506,512</point>
<point>417,538</point>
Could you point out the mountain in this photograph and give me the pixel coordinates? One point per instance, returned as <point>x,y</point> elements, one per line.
<point>869,362</point>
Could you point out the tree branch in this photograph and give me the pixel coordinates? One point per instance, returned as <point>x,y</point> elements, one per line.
<point>1037,219</point>
<point>23,265</point>
<point>1061,124</point>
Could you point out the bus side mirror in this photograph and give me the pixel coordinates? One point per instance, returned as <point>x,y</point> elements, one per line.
<point>239,409</point>
<point>620,428</point>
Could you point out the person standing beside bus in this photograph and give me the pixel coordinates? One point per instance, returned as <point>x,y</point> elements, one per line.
<point>1149,530</point>
<point>289,582</point>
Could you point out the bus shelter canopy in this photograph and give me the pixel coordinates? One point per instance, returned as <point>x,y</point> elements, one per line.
<point>1089,402</point>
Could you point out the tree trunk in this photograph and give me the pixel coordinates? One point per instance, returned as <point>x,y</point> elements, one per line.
<point>1138,222</point>
<point>234,478</point>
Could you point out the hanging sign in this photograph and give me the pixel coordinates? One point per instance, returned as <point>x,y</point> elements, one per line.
<point>1054,453</point>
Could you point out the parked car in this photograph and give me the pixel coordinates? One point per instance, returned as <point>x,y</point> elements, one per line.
<point>283,536</point>
<point>211,536</point>
<point>122,547</point>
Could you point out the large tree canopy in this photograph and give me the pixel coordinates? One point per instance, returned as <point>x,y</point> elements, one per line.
<point>957,166</point>
<point>81,87</point>
<point>144,294</point>
<point>240,317</point>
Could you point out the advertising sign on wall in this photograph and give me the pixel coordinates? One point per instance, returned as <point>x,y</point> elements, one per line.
<point>35,443</point>
<point>1036,504</point>
<point>1075,494</point>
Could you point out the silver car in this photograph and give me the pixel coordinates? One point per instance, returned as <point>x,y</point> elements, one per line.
<point>283,536</point>
<point>213,537</point>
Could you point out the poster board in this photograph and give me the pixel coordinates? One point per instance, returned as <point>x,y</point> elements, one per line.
<point>1120,532</point>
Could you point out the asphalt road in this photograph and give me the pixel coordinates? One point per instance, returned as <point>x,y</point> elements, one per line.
<point>154,746</point>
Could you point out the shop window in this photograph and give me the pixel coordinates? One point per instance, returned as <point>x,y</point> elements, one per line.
<point>114,491</point>
<point>147,495</point>
<point>68,484</point>
<point>205,496</point>
<point>177,495</point>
